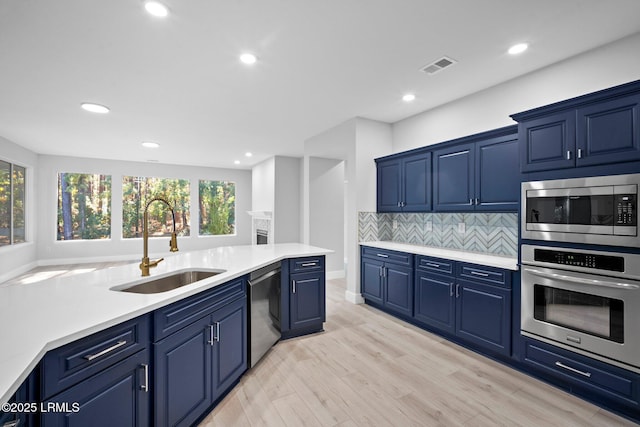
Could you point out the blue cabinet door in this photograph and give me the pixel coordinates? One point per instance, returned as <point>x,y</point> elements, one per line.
<point>416,183</point>
<point>434,301</point>
<point>307,303</point>
<point>609,132</point>
<point>114,397</point>
<point>388,186</point>
<point>483,316</point>
<point>182,374</point>
<point>371,280</point>
<point>230,346</point>
<point>497,183</point>
<point>548,142</point>
<point>398,288</point>
<point>454,178</point>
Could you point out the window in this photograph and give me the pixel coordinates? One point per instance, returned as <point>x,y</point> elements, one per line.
<point>12,201</point>
<point>136,193</point>
<point>217,207</point>
<point>84,206</point>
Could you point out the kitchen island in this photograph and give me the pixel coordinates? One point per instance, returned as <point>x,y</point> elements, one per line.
<point>43,316</point>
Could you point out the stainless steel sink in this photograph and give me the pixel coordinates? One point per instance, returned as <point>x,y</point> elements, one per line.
<point>167,283</point>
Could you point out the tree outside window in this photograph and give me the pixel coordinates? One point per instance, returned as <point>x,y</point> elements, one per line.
<point>217,204</point>
<point>84,206</point>
<point>138,190</point>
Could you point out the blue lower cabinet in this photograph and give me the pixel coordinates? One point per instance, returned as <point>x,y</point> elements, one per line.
<point>435,302</point>
<point>230,346</point>
<point>617,388</point>
<point>386,279</point>
<point>398,289</point>
<point>197,364</point>
<point>117,396</point>
<point>371,280</point>
<point>307,299</point>
<point>483,316</point>
<point>182,372</point>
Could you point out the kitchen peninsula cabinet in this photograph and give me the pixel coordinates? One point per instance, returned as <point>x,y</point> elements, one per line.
<point>303,297</point>
<point>595,129</point>
<point>404,183</point>
<point>196,364</point>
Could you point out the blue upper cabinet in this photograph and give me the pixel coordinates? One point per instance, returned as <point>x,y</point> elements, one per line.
<point>480,175</point>
<point>454,178</point>
<point>497,174</point>
<point>595,129</point>
<point>404,183</point>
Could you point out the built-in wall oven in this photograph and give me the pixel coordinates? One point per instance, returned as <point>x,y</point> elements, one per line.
<point>583,300</point>
<point>595,210</point>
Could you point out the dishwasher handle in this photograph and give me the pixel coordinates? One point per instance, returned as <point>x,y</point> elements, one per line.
<point>264,277</point>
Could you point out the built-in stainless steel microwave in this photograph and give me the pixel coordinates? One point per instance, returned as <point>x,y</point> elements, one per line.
<point>599,210</point>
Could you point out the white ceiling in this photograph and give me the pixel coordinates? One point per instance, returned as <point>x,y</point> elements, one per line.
<point>178,80</point>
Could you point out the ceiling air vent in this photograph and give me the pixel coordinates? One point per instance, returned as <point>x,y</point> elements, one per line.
<point>438,65</point>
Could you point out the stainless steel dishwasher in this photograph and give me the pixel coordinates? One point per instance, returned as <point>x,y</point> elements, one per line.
<point>264,317</point>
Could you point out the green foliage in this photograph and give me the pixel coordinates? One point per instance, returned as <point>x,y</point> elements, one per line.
<point>217,207</point>
<point>84,206</point>
<point>137,191</point>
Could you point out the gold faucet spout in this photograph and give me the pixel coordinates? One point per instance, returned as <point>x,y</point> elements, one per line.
<point>173,244</point>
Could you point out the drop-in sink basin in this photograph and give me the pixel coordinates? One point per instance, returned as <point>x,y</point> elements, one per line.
<point>168,283</point>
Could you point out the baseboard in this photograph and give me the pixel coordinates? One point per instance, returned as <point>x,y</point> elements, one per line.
<point>353,297</point>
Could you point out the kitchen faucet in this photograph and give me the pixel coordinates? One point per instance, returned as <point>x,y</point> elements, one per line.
<point>173,244</point>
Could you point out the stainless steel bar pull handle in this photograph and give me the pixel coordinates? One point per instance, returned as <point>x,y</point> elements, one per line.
<point>433,264</point>
<point>116,346</point>
<point>14,423</point>
<point>211,336</point>
<point>471,201</point>
<point>451,289</point>
<point>479,273</point>
<point>568,155</point>
<point>577,371</point>
<point>294,286</point>
<point>308,264</point>
<point>217,336</point>
<point>383,255</point>
<point>457,291</point>
<point>579,153</point>
<point>145,386</point>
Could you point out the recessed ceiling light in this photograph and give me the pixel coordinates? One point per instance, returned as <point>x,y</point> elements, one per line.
<point>408,97</point>
<point>248,154</point>
<point>236,162</point>
<point>156,9</point>
<point>94,108</point>
<point>248,58</point>
<point>518,48</point>
<point>150,144</point>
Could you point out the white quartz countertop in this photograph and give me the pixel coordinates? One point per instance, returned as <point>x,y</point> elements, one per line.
<point>505,262</point>
<point>39,317</point>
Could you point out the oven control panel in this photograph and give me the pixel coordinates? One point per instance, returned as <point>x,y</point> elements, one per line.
<point>580,259</point>
<point>626,212</point>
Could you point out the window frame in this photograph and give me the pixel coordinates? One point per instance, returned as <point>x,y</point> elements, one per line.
<point>12,242</point>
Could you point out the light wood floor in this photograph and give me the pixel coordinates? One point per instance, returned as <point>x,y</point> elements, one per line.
<point>369,369</point>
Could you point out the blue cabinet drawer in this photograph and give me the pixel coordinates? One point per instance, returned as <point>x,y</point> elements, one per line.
<point>178,315</point>
<point>386,255</point>
<point>299,265</point>
<point>435,265</point>
<point>482,274</point>
<point>578,370</point>
<point>76,361</point>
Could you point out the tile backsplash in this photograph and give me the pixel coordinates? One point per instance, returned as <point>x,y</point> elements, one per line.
<point>495,233</point>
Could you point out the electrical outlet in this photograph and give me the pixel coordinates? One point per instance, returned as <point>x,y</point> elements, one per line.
<point>461,227</point>
<point>428,226</point>
<point>395,224</point>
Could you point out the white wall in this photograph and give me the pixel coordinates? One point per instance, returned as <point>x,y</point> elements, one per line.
<point>286,212</point>
<point>263,185</point>
<point>326,210</point>
<point>51,251</point>
<point>17,259</point>
<point>597,69</point>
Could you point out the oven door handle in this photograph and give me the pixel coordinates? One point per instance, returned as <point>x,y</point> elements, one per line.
<point>581,280</point>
